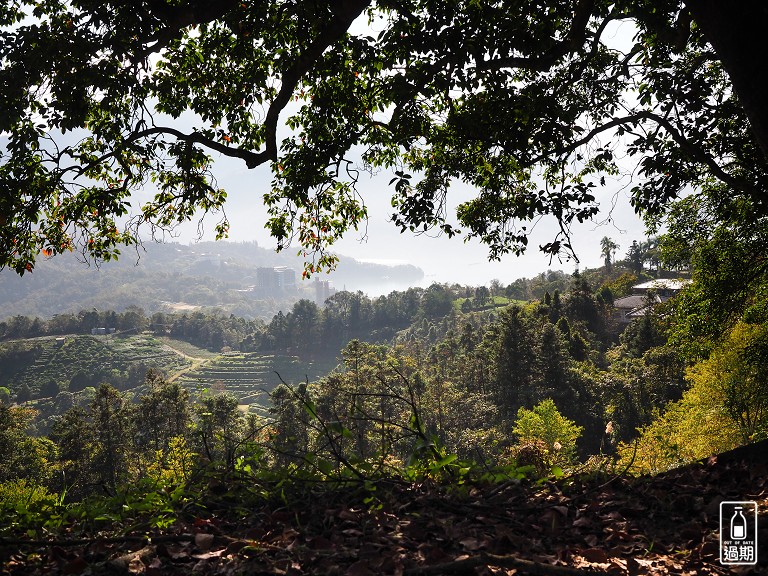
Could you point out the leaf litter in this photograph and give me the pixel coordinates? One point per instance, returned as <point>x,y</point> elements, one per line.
<point>664,524</point>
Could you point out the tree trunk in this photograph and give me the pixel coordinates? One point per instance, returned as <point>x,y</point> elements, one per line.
<point>737,32</point>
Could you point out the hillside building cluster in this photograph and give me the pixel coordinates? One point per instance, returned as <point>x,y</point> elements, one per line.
<point>280,281</point>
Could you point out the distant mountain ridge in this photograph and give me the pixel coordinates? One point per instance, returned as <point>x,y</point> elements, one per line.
<point>205,274</point>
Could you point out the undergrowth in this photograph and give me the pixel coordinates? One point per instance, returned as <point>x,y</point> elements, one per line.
<point>150,507</point>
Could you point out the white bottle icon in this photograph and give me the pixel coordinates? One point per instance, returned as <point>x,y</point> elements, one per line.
<point>738,525</point>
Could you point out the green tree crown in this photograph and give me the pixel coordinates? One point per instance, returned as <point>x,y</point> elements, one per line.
<point>525,102</point>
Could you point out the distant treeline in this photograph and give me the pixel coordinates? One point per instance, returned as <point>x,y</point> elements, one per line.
<point>206,274</point>
<point>131,320</point>
<point>311,329</point>
<point>306,328</point>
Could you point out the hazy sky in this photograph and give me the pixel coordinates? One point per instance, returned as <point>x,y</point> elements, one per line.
<point>441,258</point>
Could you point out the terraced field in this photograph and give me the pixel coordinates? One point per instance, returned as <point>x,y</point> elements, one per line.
<point>147,349</point>
<point>251,376</point>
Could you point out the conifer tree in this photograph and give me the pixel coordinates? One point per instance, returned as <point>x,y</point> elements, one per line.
<point>512,358</point>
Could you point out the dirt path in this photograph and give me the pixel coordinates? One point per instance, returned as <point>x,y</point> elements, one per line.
<point>197,362</point>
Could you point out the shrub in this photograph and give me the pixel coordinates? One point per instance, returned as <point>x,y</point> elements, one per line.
<point>545,424</point>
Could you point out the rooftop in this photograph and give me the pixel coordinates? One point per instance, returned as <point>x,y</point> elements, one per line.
<point>663,284</point>
<point>634,301</point>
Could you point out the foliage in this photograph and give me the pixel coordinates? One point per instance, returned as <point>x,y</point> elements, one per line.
<point>21,493</point>
<point>164,415</point>
<point>29,507</point>
<point>635,390</point>
<point>622,286</point>
<point>526,104</point>
<point>645,332</point>
<point>735,380</point>
<point>508,348</point>
<point>219,432</point>
<point>172,465</point>
<point>728,270</point>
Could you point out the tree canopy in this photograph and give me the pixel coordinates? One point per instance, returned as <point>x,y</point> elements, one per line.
<point>532,104</point>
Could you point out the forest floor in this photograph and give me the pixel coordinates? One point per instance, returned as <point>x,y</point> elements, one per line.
<point>665,524</point>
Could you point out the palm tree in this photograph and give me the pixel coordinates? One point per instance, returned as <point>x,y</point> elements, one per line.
<point>608,249</point>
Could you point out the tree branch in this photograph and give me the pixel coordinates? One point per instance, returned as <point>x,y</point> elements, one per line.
<point>572,42</point>
<point>346,12</point>
<point>695,152</point>
<point>252,159</point>
<point>698,154</point>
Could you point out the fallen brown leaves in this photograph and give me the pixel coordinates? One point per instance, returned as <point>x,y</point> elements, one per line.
<point>661,525</point>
